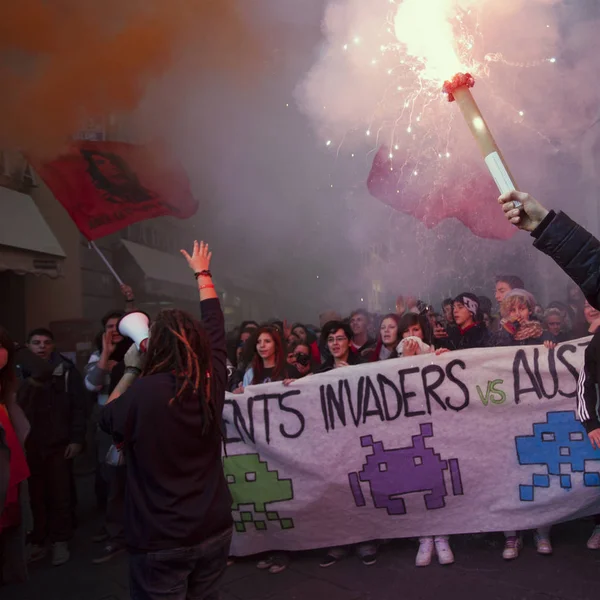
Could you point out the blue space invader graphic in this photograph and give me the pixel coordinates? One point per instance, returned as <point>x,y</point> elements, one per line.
<point>561,440</point>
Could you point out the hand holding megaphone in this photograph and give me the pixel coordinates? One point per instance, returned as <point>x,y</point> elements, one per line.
<point>134,358</point>
<point>136,326</point>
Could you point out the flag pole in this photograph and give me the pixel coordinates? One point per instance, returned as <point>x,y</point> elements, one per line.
<point>105,261</point>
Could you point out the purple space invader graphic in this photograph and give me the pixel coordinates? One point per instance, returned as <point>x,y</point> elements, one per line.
<point>393,473</point>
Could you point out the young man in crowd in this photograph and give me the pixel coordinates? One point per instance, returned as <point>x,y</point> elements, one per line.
<point>359,324</point>
<point>103,371</point>
<point>54,404</point>
<point>505,284</point>
<point>470,330</point>
<point>337,336</point>
<point>324,318</point>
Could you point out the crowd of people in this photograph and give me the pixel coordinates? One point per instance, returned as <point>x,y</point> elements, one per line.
<point>168,503</point>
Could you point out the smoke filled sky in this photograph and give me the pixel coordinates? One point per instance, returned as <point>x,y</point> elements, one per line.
<point>270,114</point>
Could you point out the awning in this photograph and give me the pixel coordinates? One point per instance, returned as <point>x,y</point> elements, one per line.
<point>169,276</point>
<point>165,274</point>
<point>27,244</point>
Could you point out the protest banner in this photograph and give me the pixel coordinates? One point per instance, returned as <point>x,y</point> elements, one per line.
<point>472,441</point>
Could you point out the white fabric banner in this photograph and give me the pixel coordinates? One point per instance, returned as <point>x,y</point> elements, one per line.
<point>471,441</point>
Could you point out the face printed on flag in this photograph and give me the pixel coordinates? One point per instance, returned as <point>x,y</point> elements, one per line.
<point>106,186</point>
<point>467,196</point>
<point>113,177</point>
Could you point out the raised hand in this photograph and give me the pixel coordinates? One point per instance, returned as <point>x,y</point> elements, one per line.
<point>200,258</point>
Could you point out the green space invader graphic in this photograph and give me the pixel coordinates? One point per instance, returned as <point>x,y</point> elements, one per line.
<point>251,483</point>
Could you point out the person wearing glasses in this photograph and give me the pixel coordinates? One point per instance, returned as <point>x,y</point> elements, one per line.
<point>338,336</point>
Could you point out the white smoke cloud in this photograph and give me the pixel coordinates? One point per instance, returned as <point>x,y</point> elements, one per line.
<point>283,206</point>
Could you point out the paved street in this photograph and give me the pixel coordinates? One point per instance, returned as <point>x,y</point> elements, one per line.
<point>573,573</point>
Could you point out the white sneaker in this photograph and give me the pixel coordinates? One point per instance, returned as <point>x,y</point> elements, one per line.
<point>511,548</point>
<point>542,543</point>
<point>444,552</point>
<point>594,542</point>
<point>60,553</point>
<point>425,552</point>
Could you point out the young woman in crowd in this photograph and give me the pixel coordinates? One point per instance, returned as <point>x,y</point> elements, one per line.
<point>15,519</point>
<point>411,332</point>
<point>518,327</point>
<point>269,362</point>
<point>412,343</point>
<point>388,339</point>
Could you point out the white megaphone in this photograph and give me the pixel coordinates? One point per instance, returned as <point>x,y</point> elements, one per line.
<point>136,326</point>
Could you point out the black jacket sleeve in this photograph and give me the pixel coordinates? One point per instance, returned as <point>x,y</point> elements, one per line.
<point>587,387</point>
<point>214,324</point>
<point>574,249</point>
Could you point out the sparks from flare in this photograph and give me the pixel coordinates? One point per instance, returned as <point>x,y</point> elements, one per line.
<point>422,43</point>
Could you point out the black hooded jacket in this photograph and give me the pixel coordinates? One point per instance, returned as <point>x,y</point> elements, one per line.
<point>577,252</point>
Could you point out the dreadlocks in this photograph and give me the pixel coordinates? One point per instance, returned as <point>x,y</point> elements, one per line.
<point>179,345</point>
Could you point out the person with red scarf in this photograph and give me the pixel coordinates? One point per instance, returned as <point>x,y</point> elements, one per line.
<point>13,469</point>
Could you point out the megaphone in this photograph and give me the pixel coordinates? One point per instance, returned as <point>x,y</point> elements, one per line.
<point>136,326</point>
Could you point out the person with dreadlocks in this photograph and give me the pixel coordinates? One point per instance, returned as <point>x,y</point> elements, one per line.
<point>165,414</point>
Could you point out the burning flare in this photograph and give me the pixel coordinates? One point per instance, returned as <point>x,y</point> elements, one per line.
<point>427,29</point>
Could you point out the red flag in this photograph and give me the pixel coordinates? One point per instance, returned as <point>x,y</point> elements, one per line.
<point>106,186</point>
<point>437,193</point>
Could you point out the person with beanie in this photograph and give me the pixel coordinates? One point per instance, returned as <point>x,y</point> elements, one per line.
<point>470,330</point>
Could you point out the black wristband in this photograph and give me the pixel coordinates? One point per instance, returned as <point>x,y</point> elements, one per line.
<point>204,273</point>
